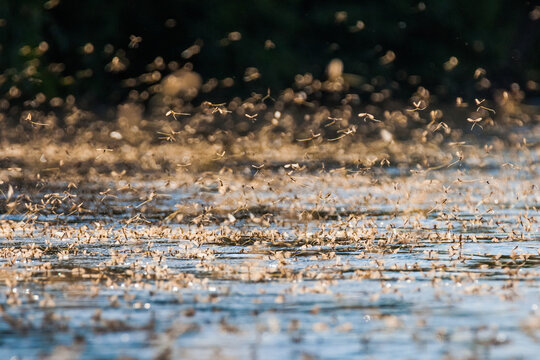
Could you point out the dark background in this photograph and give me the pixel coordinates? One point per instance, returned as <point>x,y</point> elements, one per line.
<point>499,36</point>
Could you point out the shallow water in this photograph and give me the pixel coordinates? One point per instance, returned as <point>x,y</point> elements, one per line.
<point>311,265</point>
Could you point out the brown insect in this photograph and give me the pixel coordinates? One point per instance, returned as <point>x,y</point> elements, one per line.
<point>480,106</point>
<point>475,121</point>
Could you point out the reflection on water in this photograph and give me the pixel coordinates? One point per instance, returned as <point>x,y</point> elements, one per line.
<point>303,264</point>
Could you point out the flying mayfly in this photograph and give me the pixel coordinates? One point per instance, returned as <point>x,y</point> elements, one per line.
<point>480,106</point>
<point>475,121</point>
<point>217,107</point>
<point>418,106</point>
<point>368,116</point>
<point>174,114</point>
<point>29,119</point>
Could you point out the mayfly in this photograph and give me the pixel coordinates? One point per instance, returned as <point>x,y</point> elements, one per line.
<point>103,151</point>
<point>105,194</point>
<point>313,136</point>
<point>174,114</point>
<point>168,136</point>
<point>333,121</point>
<point>480,106</point>
<point>134,41</point>
<point>368,116</point>
<point>443,125</point>
<point>252,117</point>
<point>219,155</point>
<point>349,131</point>
<point>29,119</point>
<point>460,102</point>
<point>475,121</point>
<point>267,96</point>
<point>217,107</point>
<point>418,106</point>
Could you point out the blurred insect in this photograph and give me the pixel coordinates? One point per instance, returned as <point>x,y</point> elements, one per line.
<point>418,106</point>
<point>252,117</point>
<point>460,102</point>
<point>480,106</point>
<point>257,167</point>
<point>216,107</point>
<point>77,208</point>
<point>338,138</point>
<point>267,96</point>
<point>475,121</point>
<point>458,143</point>
<point>103,151</point>
<point>313,136</point>
<point>134,41</point>
<point>368,116</point>
<point>174,114</point>
<point>220,155</point>
<point>149,198</point>
<point>443,125</point>
<point>333,121</point>
<point>106,194</point>
<point>349,131</point>
<point>344,133</point>
<point>479,72</point>
<point>294,167</point>
<point>168,136</point>
<point>29,119</point>
<point>511,166</point>
<point>9,193</point>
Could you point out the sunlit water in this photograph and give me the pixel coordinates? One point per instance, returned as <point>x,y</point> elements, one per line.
<point>316,265</point>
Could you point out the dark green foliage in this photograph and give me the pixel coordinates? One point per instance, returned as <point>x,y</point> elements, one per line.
<point>496,35</point>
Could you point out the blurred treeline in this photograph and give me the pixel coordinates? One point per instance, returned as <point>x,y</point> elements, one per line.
<point>102,52</point>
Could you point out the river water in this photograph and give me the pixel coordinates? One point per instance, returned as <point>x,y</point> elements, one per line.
<point>278,263</point>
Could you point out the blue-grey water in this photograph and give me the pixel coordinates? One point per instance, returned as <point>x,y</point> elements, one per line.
<point>376,264</point>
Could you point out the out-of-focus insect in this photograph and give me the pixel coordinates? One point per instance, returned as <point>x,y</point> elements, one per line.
<point>220,155</point>
<point>134,41</point>
<point>418,106</point>
<point>333,121</point>
<point>480,106</point>
<point>174,114</point>
<point>168,136</point>
<point>344,133</point>
<point>267,96</point>
<point>257,168</point>
<point>443,125</point>
<point>368,116</point>
<point>460,102</point>
<point>313,136</point>
<point>29,119</point>
<point>103,151</point>
<point>252,117</point>
<point>217,107</point>
<point>475,121</point>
